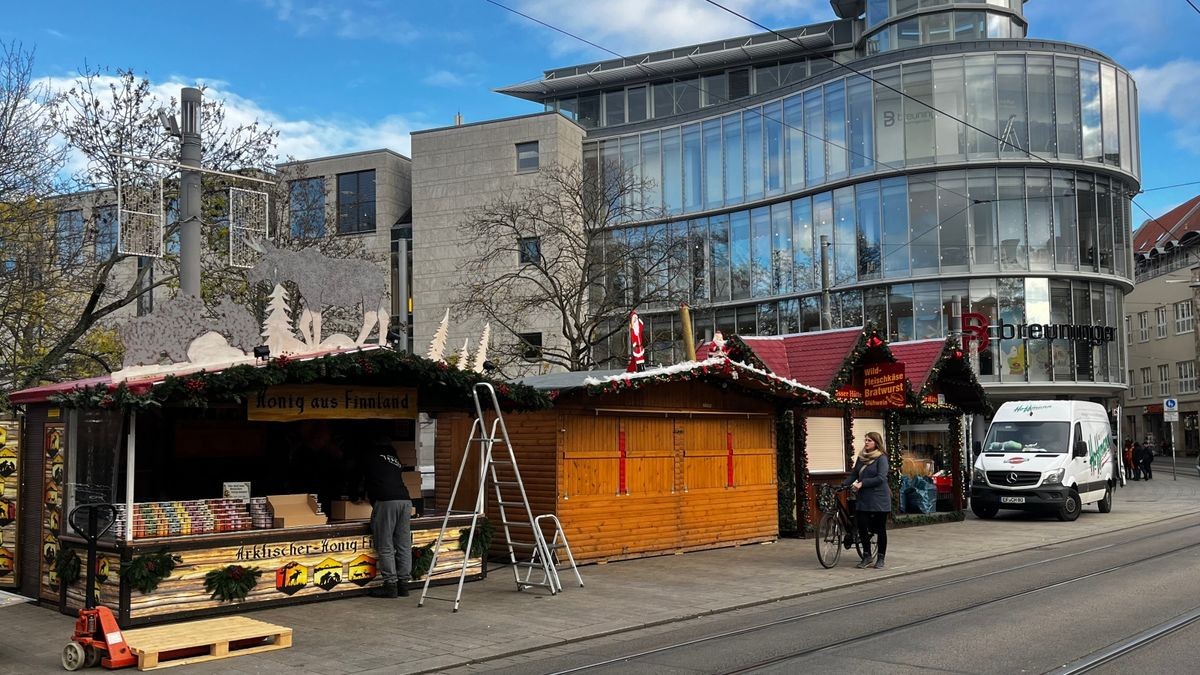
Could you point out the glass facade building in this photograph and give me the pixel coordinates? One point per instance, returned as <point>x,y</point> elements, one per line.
<point>940,153</point>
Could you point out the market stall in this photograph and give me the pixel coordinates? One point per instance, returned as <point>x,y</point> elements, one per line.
<point>233,487</point>
<point>635,464</point>
<point>912,394</point>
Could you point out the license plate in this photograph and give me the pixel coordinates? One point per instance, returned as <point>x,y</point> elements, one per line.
<point>1012,500</point>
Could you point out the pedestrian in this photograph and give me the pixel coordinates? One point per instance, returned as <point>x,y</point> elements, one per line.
<point>1145,461</point>
<point>1127,455</point>
<point>869,479</point>
<point>391,508</point>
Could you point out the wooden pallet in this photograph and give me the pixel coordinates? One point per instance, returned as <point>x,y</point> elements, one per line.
<point>207,640</point>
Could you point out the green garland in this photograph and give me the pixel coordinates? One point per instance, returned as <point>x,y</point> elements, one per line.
<point>785,465</point>
<point>484,531</point>
<point>891,429</point>
<point>802,482</point>
<point>232,583</point>
<point>422,558</point>
<point>437,382</point>
<point>144,572</point>
<point>67,565</point>
<point>914,519</point>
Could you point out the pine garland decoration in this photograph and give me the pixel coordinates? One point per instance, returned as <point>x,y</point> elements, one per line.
<point>146,571</point>
<point>438,384</point>
<point>891,428</point>
<point>484,531</point>
<point>67,565</point>
<point>231,583</point>
<point>785,469</point>
<point>422,558</point>
<point>803,486</point>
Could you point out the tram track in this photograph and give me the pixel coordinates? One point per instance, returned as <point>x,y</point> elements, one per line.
<point>858,604</point>
<point>1114,652</point>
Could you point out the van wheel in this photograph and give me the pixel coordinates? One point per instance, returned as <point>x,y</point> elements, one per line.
<point>984,510</point>
<point>1105,505</point>
<point>1070,507</point>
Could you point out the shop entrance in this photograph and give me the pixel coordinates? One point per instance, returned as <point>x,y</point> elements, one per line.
<point>926,480</point>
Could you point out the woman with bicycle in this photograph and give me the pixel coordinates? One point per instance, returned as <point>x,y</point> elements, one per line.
<point>869,479</point>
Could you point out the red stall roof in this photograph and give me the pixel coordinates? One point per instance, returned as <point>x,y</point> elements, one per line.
<point>919,357</point>
<point>812,358</point>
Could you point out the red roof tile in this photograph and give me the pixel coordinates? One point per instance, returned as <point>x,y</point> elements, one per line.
<point>810,358</point>
<point>918,357</point>
<point>1170,227</point>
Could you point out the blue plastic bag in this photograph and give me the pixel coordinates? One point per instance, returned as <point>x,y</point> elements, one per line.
<point>921,496</point>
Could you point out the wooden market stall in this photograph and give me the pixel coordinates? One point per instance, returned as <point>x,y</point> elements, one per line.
<point>635,464</point>
<point>229,480</point>
<point>898,390</point>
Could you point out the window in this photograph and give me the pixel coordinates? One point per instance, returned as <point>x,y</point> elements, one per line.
<point>1128,329</point>
<point>106,231</point>
<point>1183,317</point>
<point>1143,326</point>
<point>1147,383</point>
<point>1160,315</point>
<point>1132,389</point>
<point>527,156</point>
<point>356,202</point>
<point>1164,379</point>
<point>531,344</point>
<point>826,445</point>
<point>306,208</point>
<point>739,84</point>
<point>530,250</point>
<point>1187,376</point>
<point>68,237</point>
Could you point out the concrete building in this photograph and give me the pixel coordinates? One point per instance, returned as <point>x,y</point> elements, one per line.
<point>1161,329</point>
<point>941,153</point>
<point>364,195</point>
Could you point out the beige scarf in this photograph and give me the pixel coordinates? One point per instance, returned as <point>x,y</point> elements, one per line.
<point>868,457</point>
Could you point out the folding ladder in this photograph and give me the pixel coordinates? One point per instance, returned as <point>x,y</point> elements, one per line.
<point>521,530</point>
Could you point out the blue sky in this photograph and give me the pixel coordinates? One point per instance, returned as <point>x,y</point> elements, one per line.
<point>360,74</point>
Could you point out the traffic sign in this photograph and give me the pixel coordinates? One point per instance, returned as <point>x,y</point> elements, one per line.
<point>1170,405</point>
<point>1170,415</point>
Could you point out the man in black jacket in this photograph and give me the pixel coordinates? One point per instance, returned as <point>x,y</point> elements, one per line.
<point>390,512</point>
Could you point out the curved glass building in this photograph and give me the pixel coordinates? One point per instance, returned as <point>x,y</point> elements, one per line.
<point>939,151</point>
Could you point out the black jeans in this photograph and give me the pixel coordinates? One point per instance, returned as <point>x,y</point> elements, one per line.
<point>872,522</point>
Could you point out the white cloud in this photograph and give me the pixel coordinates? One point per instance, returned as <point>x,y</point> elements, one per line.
<point>1173,89</point>
<point>633,26</point>
<point>444,78</point>
<point>371,20</point>
<point>298,137</point>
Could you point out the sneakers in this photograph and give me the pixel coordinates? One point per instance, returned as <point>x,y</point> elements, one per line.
<point>866,562</point>
<point>402,590</point>
<point>387,590</point>
<point>879,563</point>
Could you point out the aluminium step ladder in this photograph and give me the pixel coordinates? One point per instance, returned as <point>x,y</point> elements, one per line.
<point>515,515</point>
<point>558,543</point>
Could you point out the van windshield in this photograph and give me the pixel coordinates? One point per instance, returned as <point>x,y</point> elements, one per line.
<point>1028,437</point>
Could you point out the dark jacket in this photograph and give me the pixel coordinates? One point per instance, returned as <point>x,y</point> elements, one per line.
<point>875,494</point>
<point>384,476</point>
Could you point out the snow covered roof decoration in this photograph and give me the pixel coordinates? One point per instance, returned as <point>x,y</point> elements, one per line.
<point>717,365</point>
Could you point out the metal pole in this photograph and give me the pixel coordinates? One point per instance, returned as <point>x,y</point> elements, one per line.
<point>130,453</point>
<point>826,312</point>
<point>1171,431</point>
<point>689,341</point>
<point>190,151</point>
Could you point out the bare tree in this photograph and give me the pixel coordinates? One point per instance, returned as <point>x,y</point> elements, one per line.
<point>562,252</point>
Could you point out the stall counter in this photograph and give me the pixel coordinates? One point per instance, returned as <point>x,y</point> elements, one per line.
<point>301,564</point>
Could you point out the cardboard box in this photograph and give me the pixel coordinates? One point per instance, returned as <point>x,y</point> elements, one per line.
<point>406,452</point>
<point>347,510</point>
<point>412,481</point>
<point>295,511</point>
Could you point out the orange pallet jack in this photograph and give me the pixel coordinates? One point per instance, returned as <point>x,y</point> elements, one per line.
<point>97,638</point>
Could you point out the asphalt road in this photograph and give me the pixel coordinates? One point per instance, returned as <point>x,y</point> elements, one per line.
<point>1029,612</point>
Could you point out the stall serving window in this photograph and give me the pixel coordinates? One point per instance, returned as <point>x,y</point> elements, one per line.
<point>826,445</point>
<point>926,483</point>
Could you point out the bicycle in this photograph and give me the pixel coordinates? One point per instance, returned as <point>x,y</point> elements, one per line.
<point>837,528</point>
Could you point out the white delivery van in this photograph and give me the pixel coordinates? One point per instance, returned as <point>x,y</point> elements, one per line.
<point>1045,455</point>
